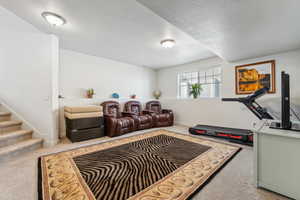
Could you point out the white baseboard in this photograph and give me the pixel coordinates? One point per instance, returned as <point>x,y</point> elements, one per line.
<point>50,143</point>
<point>182,124</point>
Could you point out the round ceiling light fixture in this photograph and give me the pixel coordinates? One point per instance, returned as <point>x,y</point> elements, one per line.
<point>54,19</point>
<point>168,43</point>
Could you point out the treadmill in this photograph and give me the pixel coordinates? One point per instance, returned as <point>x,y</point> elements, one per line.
<point>242,136</point>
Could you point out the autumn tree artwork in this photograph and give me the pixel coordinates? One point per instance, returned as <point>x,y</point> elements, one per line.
<point>252,77</point>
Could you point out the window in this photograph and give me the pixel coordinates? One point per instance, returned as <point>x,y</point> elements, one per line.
<point>210,80</point>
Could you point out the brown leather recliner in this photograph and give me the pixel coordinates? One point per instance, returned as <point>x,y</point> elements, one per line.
<point>161,117</point>
<point>141,118</point>
<point>116,122</point>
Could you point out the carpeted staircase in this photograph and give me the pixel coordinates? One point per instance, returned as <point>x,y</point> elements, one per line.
<point>14,141</point>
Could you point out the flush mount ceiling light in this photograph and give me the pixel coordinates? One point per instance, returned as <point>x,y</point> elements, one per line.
<point>54,19</point>
<point>168,43</point>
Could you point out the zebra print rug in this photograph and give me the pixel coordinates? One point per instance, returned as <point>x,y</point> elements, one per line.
<point>155,165</point>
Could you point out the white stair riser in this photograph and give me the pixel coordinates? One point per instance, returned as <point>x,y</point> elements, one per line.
<point>16,139</point>
<point>4,118</point>
<point>10,129</point>
<point>21,151</point>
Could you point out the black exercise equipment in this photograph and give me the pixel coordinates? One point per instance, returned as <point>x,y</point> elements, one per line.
<point>252,105</point>
<point>246,136</point>
<point>234,135</point>
<point>262,113</point>
<point>286,123</point>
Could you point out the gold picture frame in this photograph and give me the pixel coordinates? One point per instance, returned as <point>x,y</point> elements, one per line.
<point>251,77</point>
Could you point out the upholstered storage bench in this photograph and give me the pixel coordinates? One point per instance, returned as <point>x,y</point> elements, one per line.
<point>84,123</point>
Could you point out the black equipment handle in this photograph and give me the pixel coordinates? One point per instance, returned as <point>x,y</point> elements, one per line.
<point>252,105</point>
<point>258,93</point>
<point>231,99</point>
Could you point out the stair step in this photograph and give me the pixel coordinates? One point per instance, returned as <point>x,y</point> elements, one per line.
<point>9,126</point>
<point>19,148</point>
<point>14,137</point>
<point>5,116</point>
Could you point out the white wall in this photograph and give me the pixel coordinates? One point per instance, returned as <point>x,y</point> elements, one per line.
<point>78,72</point>
<point>213,111</point>
<point>28,59</point>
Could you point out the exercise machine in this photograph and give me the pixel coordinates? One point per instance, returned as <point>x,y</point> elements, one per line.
<point>232,134</point>
<point>262,113</point>
<point>252,105</point>
<point>246,136</point>
<point>236,135</point>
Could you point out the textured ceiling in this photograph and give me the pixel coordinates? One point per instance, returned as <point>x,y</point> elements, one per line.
<point>122,30</point>
<point>130,31</point>
<point>235,29</point>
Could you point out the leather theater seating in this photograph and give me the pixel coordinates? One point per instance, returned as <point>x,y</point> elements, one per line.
<point>134,117</point>
<point>116,122</point>
<point>142,119</point>
<point>161,117</point>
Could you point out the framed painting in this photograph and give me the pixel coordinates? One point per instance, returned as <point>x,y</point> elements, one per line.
<point>252,77</point>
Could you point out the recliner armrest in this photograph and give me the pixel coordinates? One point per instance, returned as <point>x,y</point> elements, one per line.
<point>110,125</point>
<point>109,116</point>
<point>167,111</point>
<point>129,114</point>
<point>148,112</point>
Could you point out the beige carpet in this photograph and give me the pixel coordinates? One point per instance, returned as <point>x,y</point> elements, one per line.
<point>233,182</point>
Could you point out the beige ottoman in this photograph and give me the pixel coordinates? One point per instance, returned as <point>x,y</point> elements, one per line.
<point>84,122</point>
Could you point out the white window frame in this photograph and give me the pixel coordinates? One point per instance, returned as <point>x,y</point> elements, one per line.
<point>219,75</point>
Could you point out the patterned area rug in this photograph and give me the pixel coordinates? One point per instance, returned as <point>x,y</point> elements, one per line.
<point>156,165</point>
